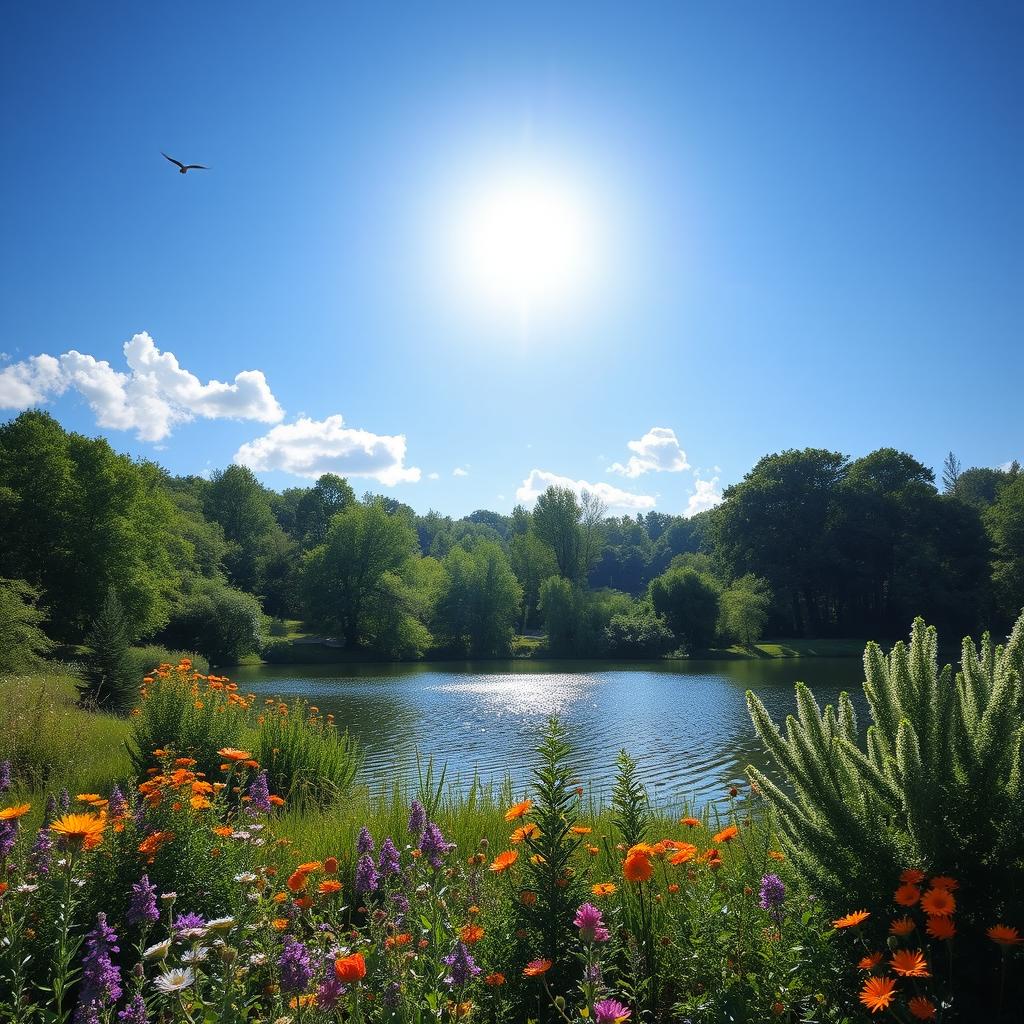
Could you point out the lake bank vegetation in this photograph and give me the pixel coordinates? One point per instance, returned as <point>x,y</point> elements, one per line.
<point>102,550</point>
<point>210,857</point>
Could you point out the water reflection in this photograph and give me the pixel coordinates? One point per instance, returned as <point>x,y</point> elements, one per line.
<point>685,723</point>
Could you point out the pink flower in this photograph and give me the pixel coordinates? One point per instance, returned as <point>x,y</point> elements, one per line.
<point>591,924</point>
<point>611,1011</point>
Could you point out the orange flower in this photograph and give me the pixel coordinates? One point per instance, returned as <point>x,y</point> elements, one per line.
<point>471,933</point>
<point>592,850</point>
<point>397,940</point>
<point>518,810</point>
<point>686,852</point>
<point>907,895</point>
<point>727,833</point>
<point>350,968</point>
<point>912,876</point>
<point>902,926</point>
<point>329,886</point>
<point>581,830</point>
<point>528,898</point>
<point>940,928</point>
<point>776,855</point>
<point>297,881</point>
<point>691,822</point>
<point>280,923</point>
<point>938,902</point>
<point>10,813</point>
<point>88,798</point>
<point>536,967</point>
<point>223,831</point>
<point>673,888</point>
<point>603,888</point>
<point>852,920</point>
<point>3,888</point>
<point>277,801</point>
<point>944,882</point>
<point>200,803</point>
<point>637,868</point>
<point>152,843</point>
<point>869,962</point>
<point>310,866</point>
<point>910,963</point>
<point>231,754</point>
<point>331,865</point>
<point>494,979</point>
<point>78,830</point>
<point>528,831</point>
<point>877,993</point>
<point>1004,935</point>
<point>305,902</point>
<point>922,1008</point>
<point>504,861</point>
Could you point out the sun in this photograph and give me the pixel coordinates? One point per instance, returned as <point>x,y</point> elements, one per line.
<point>525,243</point>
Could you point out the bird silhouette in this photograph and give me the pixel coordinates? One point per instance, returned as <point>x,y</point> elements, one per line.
<point>184,168</point>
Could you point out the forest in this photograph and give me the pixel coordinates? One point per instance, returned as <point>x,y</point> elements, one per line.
<point>810,543</point>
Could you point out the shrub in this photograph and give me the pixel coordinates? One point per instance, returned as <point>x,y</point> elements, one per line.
<point>688,601</point>
<point>638,634</point>
<point>107,677</point>
<point>23,644</point>
<point>147,659</point>
<point>221,623</point>
<point>743,610</point>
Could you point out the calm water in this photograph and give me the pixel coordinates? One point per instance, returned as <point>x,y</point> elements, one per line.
<point>685,723</point>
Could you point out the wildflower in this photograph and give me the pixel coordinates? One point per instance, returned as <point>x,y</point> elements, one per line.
<point>259,795</point>
<point>246,877</point>
<point>910,963</point>
<point>101,978</point>
<point>637,867</point>
<point>689,822</point>
<point>877,993</point>
<point>938,903</point>
<point>611,1011</point>
<point>518,810</point>
<point>494,979</point>
<point>685,852</point>
<point>389,862</point>
<point>590,922</point>
<point>922,1008</point>
<point>773,892</point>
<point>912,876</point>
<point>174,981</point>
<point>150,846</point>
<point>134,1012</point>
<point>471,933</point>
<point>397,941</point>
<point>528,898</point>
<point>727,833</point>
<point>331,866</point>
<point>462,968</point>
<point>295,966</point>
<point>329,886</point>
<point>76,831</point>
<point>535,968</point>
<point>158,951</point>
<point>367,879</point>
<point>776,855</point>
<point>852,920</point>
<point>142,908</point>
<point>940,928</point>
<point>117,804</point>
<point>417,818</point>
<point>944,882</point>
<point>279,924</point>
<point>350,968</point>
<point>902,926</point>
<point>297,881</point>
<point>907,895</point>
<point>581,830</point>
<point>17,811</point>
<point>504,861</point>
<point>433,846</point>
<point>39,855</point>
<point>310,866</point>
<point>527,831</point>
<point>364,842</point>
<point>1004,935</point>
<point>869,962</point>
<point>220,924</point>
<point>231,754</point>
<point>5,776</point>
<point>330,991</point>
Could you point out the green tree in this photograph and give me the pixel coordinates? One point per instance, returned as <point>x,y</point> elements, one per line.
<point>221,623</point>
<point>107,680</point>
<point>640,633</point>
<point>1005,521</point>
<point>330,495</point>
<point>556,520</point>
<point>743,610</point>
<point>688,602</point>
<point>532,561</point>
<point>576,619</point>
<point>23,644</point>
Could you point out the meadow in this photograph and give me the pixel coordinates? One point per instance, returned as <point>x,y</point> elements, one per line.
<point>212,857</point>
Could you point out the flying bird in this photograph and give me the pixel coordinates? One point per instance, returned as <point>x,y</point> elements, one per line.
<point>184,168</point>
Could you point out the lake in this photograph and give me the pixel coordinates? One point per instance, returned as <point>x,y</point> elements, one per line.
<point>685,722</point>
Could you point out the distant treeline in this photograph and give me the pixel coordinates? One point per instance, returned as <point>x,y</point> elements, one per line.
<point>809,543</point>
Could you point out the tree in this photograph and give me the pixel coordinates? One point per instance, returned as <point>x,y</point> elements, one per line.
<point>556,520</point>
<point>23,644</point>
<point>576,619</point>
<point>640,633</point>
<point>743,610</point>
<point>688,602</point>
<point>107,679</point>
<point>592,513</point>
<point>217,621</point>
<point>330,495</point>
<point>950,473</point>
<point>1005,522</point>
<point>355,582</point>
<point>532,561</point>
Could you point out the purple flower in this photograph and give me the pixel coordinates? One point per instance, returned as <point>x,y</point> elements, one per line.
<point>259,795</point>
<point>389,863</point>
<point>8,836</point>
<point>64,800</point>
<point>49,809</point>
<point>592,975</point>
<point>462,966</point>
<point>296,967</point>
<point>39,855</point>
<point>401,902</point>
<point>134,1012</point>
<point>773,892</point>
<point>608,1011</point>
<point>417,818</point>
<point>364,844</point>
<point>142,908</point>
<point>331,989</point>
<point>186,922</point>
<point>5,776</point>
<point>101,978</point>
<point>433,845</point>
<point>591,924</point>
<point>117,804</point>
<point>367,878</point>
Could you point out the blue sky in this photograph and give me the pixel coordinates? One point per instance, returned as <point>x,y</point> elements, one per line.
<point>803,227</point>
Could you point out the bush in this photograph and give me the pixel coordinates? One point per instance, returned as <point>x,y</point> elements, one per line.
<point>688,601</point>
<point>638,634</point>
<point>147,659</point>
<point>107,677</point>
<point>221,623</point>
<point>23,644</point>
<point>743,611</point>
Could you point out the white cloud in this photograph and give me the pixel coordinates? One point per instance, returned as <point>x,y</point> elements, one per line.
<point>459,471</point>
<point>433,476</point>
<point>311,447</point>
<point>540,480</point>
<point>657,451</point>
<point>707,495</point>
<point>154,396</point>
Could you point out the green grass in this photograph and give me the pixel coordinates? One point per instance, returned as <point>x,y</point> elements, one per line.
<point>829,647</point>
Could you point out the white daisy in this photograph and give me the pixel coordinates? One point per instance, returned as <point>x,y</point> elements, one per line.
<point>159,951</point>
<point>245,877</point>
<point>221,924</point>
<point>191,956</point>
<point>174,981</point>
<point>190,934</point>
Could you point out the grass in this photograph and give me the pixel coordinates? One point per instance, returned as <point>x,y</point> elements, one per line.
<point>828,647</point>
